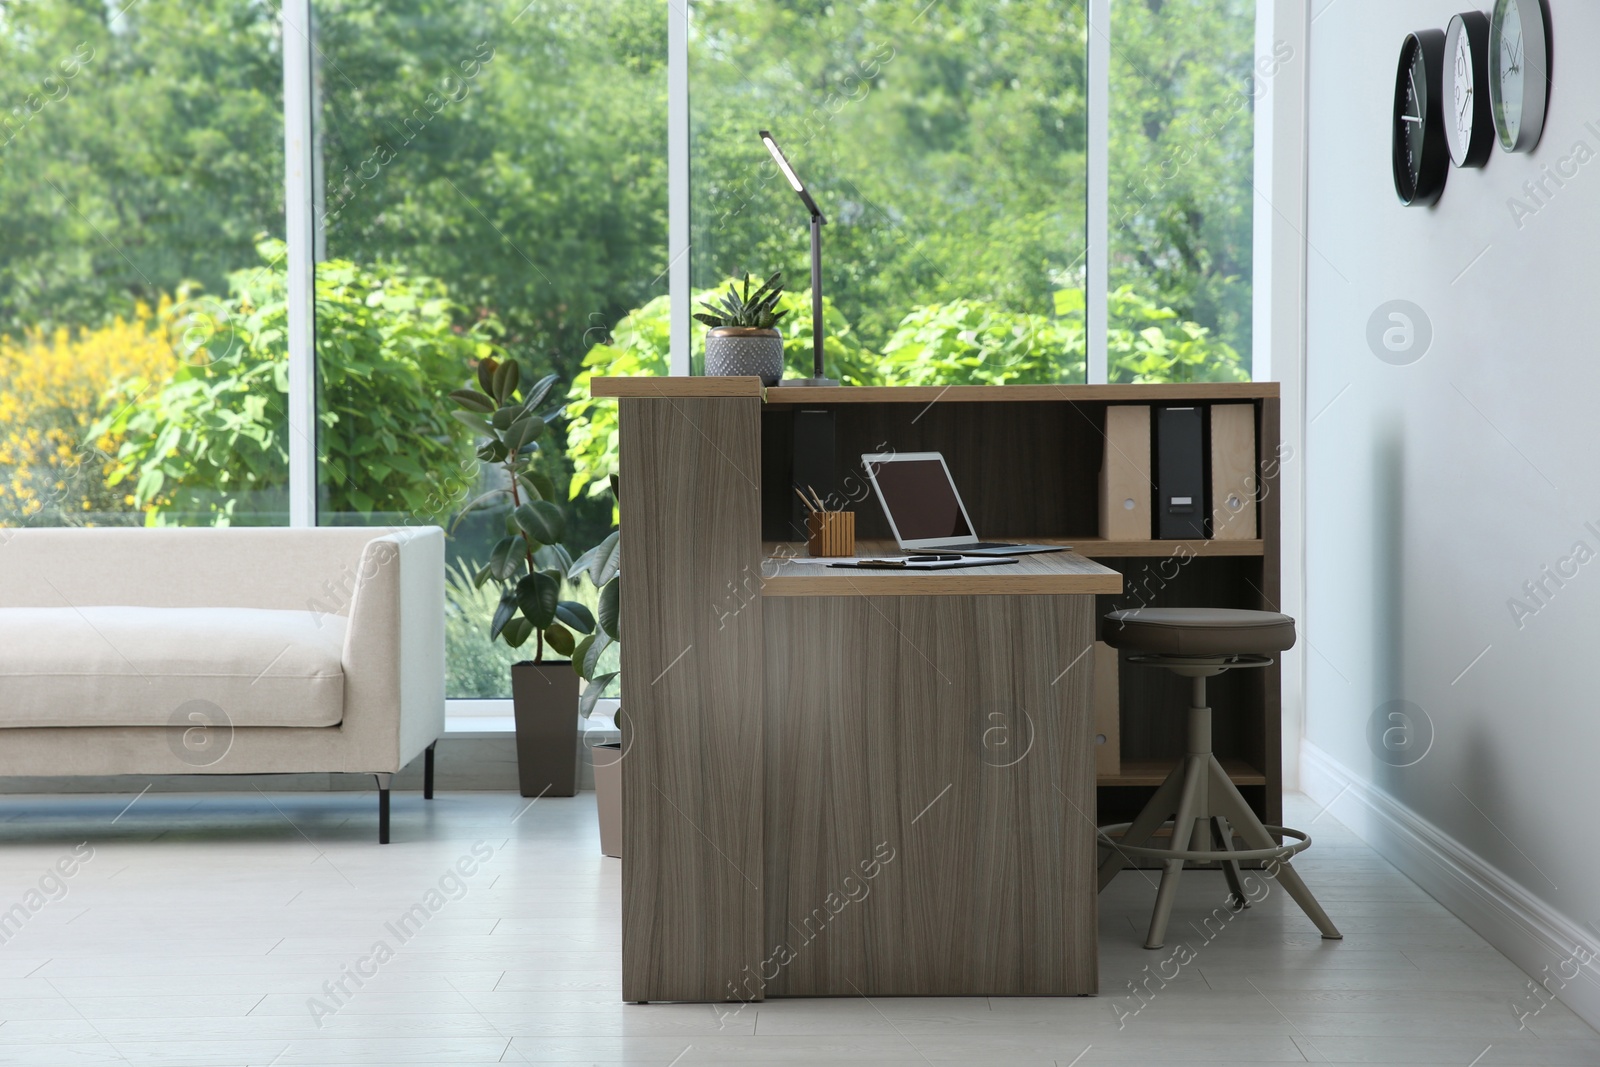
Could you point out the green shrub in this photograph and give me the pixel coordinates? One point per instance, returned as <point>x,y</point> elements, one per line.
<point>210,443</point>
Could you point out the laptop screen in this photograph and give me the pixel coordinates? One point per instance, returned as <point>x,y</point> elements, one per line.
<point>919,495</point>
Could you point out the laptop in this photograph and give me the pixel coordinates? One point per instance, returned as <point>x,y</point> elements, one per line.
<point>924,509</point>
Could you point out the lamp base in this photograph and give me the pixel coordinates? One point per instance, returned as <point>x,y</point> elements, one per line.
<point>814,382</point>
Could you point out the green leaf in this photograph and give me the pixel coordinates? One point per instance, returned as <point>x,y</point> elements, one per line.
<point>539,486</point>
<point>576,616</point>
<point>472,400</point>
<point>506,559</point>
<point>505,380</point>
<point>592,654</point>
<point>503,612</point>
<point>541,520</point>
<point>486,372</point>
<point>553,558</point>
<point>539,391</point>
<point>593,692</point>
<point>559,638</point>
<point>611,607</point>
<point>601,562</point>
<point>517,632</point>
<point>523,431</point>
<point>537,595</point>
<point>580,652</point>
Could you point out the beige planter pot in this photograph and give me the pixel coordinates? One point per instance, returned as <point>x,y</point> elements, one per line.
<point>608,796</point>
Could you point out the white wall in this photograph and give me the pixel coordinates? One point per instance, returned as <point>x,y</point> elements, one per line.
<point>1280,286</point>
<point>1436,490</point>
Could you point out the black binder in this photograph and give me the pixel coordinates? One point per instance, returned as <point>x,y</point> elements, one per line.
<point>814,464</point>
<point>1180,474</point>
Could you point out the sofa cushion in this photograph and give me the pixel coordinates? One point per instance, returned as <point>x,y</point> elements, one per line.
<point>136,666</point>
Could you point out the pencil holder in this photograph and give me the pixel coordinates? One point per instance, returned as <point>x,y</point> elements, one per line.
<point>831,533</point>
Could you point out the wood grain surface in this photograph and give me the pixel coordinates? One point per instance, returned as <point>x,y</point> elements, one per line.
<point>678,388</point>
<point>1050,574</point>
<point>970,394</point>
<point>659,386</point>
<point>930,796</point>
<point>692,790</point>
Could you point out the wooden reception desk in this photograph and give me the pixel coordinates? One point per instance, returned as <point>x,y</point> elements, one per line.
<point>842,783</point>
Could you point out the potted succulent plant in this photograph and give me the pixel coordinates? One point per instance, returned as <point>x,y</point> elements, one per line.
<point>528,565</point>
<point>742,339</point>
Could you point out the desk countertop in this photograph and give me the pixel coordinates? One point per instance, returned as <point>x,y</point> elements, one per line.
<point>698,387</point>
<point>1052,574</point>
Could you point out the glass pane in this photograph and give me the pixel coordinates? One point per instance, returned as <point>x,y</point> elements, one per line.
<point>1182,161</point>
<point>142,361</point>
<point>493,184</point>
<point>945,144</point>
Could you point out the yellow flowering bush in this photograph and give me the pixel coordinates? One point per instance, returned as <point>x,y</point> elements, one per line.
<point>53,389</point>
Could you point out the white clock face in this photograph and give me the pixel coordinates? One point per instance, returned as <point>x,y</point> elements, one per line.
<point>1513,63</point>
<point>1468,127</point>
<point>1465,91</point>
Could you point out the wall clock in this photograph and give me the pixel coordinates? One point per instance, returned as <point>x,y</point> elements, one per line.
<point>1519,71</point>
<point>1421,158</point>
<point>1469,126</point>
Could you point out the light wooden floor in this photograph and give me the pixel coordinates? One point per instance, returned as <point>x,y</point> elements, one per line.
<point>203,925</point>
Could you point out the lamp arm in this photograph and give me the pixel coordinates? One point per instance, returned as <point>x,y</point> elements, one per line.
<point>817,222</point>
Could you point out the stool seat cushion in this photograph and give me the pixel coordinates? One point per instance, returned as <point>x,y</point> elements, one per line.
<point>1199,631</point>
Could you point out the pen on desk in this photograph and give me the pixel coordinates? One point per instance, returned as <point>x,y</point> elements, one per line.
<point>938,558</point>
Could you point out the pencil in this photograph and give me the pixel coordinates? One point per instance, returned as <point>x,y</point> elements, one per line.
<point>803,500</point>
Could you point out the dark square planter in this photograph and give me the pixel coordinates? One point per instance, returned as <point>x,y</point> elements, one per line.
<point>545,699</point>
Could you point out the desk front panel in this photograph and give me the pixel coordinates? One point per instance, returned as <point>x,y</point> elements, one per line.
<point>929,797</point>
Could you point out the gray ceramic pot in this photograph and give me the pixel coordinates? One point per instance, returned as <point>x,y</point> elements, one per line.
<point>738,351</point>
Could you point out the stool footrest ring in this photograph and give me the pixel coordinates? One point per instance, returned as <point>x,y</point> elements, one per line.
<point>1281,852</point>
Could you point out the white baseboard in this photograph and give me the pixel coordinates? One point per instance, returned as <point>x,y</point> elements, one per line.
<point>1546,944</point>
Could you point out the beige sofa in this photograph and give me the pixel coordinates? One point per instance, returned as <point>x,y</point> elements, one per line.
<point>231,651</point>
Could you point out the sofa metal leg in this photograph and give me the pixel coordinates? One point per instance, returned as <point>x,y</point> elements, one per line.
<point>427,772</point>
<point>384,781</point>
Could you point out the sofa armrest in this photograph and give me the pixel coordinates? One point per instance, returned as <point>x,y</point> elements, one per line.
<point>394,663</point>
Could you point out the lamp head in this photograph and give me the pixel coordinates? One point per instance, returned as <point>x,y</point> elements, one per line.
<point>788,172</point>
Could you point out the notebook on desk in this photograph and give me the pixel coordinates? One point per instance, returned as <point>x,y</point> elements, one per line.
<point>924,509</point>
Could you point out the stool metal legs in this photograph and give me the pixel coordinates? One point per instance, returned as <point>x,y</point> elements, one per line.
<point>1209,809</point>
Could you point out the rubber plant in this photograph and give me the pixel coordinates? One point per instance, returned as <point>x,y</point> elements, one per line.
<point>602,564</point>
<point>529,563</point>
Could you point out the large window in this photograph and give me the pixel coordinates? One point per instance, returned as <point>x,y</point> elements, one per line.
<point>141,265</point>
<point>493,182</point>
<point>945,142</point>
<point>1181,157</point>
<point>488,177</point>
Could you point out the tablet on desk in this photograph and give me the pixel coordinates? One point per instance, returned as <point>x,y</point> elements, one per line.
<point>926,512</point>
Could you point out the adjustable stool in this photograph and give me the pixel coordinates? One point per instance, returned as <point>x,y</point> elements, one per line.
<point>1204,805</point>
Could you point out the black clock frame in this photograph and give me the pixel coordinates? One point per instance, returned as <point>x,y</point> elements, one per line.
<point>1475,25</point>
<point>1435,166</point>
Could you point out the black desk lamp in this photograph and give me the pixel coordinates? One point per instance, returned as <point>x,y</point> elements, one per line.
<point>817,222</point>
